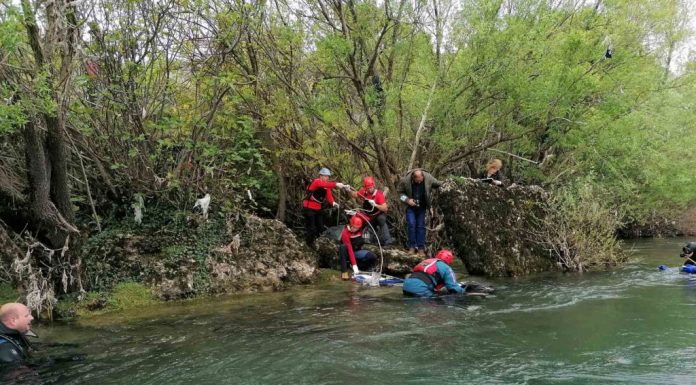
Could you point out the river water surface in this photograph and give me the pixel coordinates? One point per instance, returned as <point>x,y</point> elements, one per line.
<point>633,325</point>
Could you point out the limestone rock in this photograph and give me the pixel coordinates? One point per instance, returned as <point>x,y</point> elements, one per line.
<point>245,253</point>
<point>491,228</point>
<point>268,257</point>
<point>397,262</point>
<point>327,252</point>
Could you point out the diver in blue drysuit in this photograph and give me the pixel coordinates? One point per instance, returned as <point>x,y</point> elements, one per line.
<point>431,275</point>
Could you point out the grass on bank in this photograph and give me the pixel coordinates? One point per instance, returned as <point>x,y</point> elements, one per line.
<point>126,295</point>
<point>129,295</point>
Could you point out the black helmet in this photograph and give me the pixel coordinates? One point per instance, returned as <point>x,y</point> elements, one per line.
<point>688,249</point>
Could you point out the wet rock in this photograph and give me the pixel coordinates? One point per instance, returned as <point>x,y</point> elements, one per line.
<point>492,228</point>
<point>396,262</point>
<point>327,252</point>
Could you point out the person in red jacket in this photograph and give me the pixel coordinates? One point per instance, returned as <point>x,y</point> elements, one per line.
<point>318,192</point>
<point>350,249</point>
<point>374,208</point>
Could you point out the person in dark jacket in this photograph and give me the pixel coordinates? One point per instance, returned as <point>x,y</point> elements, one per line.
<point>415,191</point>
<point>350,250</point>
<point>493,174</point>
<point>15,326</point>
<point>318,192</point>
<point>432,275</point>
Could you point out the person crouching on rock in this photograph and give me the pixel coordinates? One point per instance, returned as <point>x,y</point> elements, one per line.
<point>317,193</point>
<point>374,208</point>
<point>688,253</point>
<point>15,326</point>
<point>350,249</point>
<point>493,174</point>
<point>431,275</point>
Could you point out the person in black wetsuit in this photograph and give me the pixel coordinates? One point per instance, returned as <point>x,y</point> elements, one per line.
<point>688,253</point>
<point>15,326</point>
<point>493,174</point>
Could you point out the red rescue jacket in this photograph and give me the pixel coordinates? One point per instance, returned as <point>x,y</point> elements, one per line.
<point>353,242</point>
<point>429,267</point>
<point>317,192</point>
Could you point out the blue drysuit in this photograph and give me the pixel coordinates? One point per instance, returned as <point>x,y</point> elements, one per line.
<point>444,276</point>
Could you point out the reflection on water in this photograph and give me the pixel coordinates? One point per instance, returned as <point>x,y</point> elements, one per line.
<point>631,325</point>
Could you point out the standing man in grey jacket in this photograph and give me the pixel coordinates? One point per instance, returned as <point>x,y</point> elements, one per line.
<point>415,191</point>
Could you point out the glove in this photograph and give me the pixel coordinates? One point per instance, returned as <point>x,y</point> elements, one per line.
<point>335,204</point>
<point>355,270</point>
<point>372,202</point>
<point>340,185</point>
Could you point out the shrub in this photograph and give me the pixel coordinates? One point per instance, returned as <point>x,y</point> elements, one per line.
<point>582,232</point>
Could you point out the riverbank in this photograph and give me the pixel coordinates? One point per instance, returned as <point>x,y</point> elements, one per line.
<point>174,255</point>
<point>127,296</point>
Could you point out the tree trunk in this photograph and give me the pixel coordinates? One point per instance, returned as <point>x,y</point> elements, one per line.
<point>46,158</point>
<point>58,159</point>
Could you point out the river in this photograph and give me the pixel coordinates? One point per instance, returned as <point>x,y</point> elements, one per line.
<point>633,325</point>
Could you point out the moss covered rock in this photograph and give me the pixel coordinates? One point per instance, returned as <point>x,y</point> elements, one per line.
<point>493,229</point>
<point>188,257</point>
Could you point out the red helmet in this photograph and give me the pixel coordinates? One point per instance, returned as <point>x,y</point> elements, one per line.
<point>369,182</point>
<point>445,256</point>
<point>356,222</point>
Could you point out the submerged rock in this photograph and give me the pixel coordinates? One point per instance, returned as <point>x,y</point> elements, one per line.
<point>493,229</point>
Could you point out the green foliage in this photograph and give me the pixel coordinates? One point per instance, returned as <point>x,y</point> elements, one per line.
<point>12,36</point>
<point>584,224</point>
<point>8,293</point>
<point>167,242</point>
